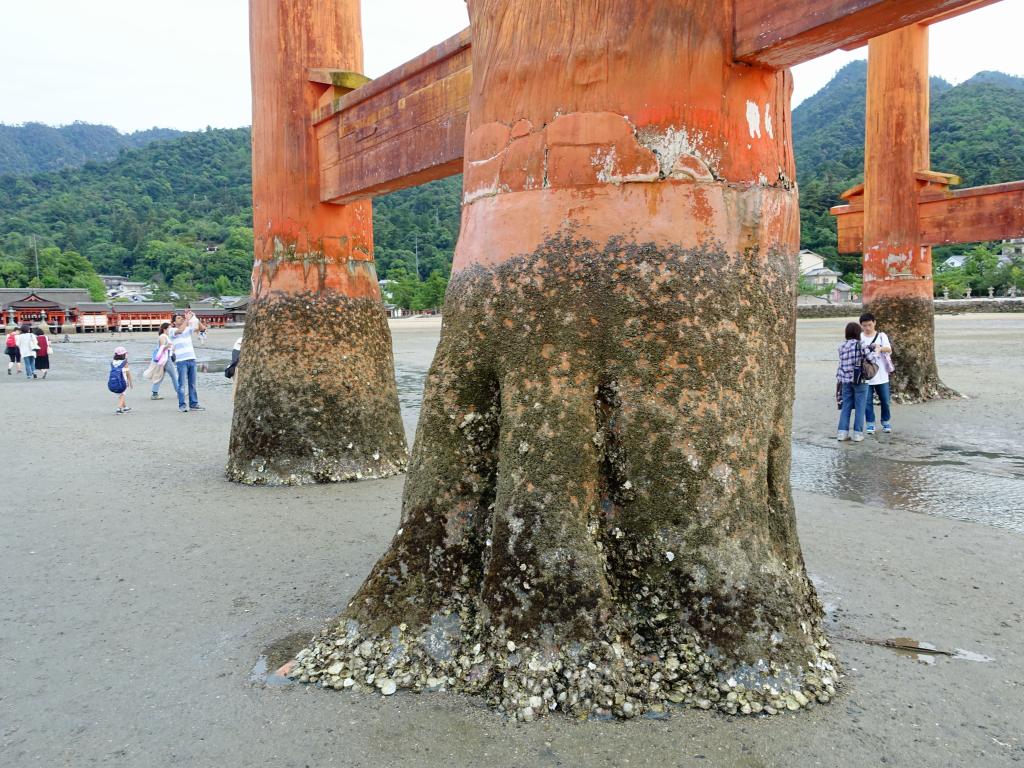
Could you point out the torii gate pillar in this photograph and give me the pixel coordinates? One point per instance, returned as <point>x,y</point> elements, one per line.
<point>897,267</point>
<point>599,492</point>
<point>316,399</point>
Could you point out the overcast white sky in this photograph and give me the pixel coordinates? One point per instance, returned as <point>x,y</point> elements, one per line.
<point>184,64</point>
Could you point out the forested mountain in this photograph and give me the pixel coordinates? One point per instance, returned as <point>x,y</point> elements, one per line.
<point>34,147</point>
<point>977,132</point>
<point>153,213</point>
<point>179,213</point>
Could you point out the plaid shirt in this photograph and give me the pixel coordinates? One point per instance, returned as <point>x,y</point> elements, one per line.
<point>851,353</point>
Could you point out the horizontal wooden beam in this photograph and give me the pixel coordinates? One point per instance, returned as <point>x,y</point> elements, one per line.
<point>783,33</point>
<point>400,130</point>
<point>408,126</point>
<point>994,212</point>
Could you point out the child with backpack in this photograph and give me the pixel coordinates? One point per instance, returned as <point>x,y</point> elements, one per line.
<point>120,378</point>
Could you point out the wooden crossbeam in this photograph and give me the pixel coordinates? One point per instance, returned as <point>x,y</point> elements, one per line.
<point>777,34</point>
<point>408,126</point>
<point>403,129</point>
<point>993,212</point>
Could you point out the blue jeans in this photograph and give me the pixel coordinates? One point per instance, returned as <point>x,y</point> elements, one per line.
<point>883,398</point>
<point>170,370</point>
<point>186,372</point>
<point>30,365</point>
<point>854,396</point>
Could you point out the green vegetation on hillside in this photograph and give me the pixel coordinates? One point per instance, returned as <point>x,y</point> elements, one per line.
<point>977,132</point>
<point>34,147</point>
<point>179,213</point>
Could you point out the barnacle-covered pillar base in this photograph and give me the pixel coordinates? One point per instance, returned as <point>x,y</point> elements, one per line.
<point>597,518</point>
<point>316,398</point>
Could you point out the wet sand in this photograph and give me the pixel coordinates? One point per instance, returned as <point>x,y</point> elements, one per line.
<point>139,589</point>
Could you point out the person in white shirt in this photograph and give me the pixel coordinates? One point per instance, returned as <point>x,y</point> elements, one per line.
<point>878,348</point>
<point>28,345</point>
<point>185,359</point>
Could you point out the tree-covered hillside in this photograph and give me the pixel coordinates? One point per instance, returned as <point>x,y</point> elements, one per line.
<point>178,212</point>
<point>34,147</point>
<point>977,132</point>
<point>175,211</point>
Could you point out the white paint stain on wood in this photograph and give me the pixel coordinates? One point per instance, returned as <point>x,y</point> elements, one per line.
<point>753,120</point>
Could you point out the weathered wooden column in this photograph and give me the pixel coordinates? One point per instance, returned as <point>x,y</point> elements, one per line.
<point>897,267</point>
<point>316,398</point>
<point>598,517</point>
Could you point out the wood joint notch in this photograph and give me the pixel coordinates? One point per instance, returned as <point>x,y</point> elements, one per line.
<point>338,83</point>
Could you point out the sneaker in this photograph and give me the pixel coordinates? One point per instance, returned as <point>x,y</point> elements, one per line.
<point>886,428</point>
<point>196,408</point>
<point>842,436</point>
<point>871,429</point>
<point>858,437</point>
<point>155,396</point>
<point>183,409</point>
<point>119,411</point>
<point>125,409</point>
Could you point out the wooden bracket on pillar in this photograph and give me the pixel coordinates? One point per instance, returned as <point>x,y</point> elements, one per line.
<point>992,212</point>
<point>337,83</point>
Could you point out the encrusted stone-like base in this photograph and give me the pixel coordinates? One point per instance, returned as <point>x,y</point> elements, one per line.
<point>623,675</point>
<point>910,324</point>
<point>597,518</point>
<point>316,399</point>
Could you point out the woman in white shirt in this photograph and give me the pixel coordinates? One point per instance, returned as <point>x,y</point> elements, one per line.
<point>878,347</point>
<point>170,370</point>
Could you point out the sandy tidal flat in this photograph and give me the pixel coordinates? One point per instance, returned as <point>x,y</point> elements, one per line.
<point>139,590</point>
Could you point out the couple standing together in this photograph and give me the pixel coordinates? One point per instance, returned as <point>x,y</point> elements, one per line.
<point>178,354</point>
<point>855,391</point>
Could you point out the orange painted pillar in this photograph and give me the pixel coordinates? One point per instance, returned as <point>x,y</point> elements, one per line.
<point>600,478</point>
<point>897,268</point>
<point>316,399</point>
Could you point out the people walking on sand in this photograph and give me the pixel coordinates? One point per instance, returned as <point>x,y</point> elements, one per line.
<point>163,360</point>
<point>119,380</point>
<point>43,355</point>
<point>13,351</point>
<point>27,345</point>
<point>852,390</point>
<point>879,350</point>
<point>184,352</point>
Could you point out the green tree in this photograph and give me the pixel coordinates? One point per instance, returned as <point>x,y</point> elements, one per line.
<point>221,286</point>
<point>430,293</point>
<point>806,288</point>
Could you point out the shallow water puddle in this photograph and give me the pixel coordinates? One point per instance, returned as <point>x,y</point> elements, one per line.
<point>938,485</point>
<point>268,668</point>
<point>259,674</point>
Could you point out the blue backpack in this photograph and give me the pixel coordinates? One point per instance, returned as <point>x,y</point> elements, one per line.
<point>116,381</point>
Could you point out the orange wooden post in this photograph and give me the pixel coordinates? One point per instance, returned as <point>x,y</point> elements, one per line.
<point>897,267</point>
<point>316,398</point>
<point>601,468</point>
